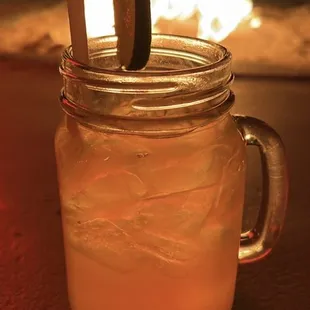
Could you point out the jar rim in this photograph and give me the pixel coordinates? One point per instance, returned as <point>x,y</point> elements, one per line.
<point>223,58</point>
<point>186,78</point>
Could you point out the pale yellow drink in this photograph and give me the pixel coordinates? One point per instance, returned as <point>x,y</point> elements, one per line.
<point>151,223</point>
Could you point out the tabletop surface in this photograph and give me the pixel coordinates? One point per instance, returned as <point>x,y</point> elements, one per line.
<point>32,272</point>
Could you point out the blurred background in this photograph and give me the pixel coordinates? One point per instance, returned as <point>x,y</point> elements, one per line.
<point>265,36</point>
<point>270,42</point>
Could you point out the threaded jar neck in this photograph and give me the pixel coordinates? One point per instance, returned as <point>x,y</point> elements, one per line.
<point>184,78</point>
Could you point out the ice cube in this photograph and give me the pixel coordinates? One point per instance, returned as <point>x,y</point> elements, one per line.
<point>106,242</point>
<point>179,215</point>
<point>163,230</point>
<point>184,171</point>
<point>81,156</point>
<point>109,195</point>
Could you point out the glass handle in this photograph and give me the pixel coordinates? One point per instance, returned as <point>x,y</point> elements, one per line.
<point>259,241</point>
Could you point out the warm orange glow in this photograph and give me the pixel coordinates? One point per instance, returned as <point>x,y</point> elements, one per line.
<point>216,18</point>
<point>99,16</point>
<point>255,22</point>
<point>221,17</point>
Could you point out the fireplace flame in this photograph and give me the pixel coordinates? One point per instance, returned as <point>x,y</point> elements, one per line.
<point>215,19</point>
<point>221,17</point>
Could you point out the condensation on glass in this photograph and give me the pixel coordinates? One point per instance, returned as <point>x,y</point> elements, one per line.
<point>151,170</point>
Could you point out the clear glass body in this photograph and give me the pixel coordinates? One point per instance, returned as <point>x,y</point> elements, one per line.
<point>151,170</point>
<point>151,223</point>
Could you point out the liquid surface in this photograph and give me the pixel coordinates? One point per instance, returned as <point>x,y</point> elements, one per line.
<point>151,223</point>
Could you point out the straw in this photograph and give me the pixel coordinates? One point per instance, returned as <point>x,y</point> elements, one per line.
<point>76,11</point>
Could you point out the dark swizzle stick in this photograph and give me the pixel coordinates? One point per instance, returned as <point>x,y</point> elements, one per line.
<point>134,30</point>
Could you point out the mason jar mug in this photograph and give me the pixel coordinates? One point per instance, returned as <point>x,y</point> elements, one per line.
<point>151,169</point>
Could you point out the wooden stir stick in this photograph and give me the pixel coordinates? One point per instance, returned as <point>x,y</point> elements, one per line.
<point>76,12</point>
<point>134,30</point>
